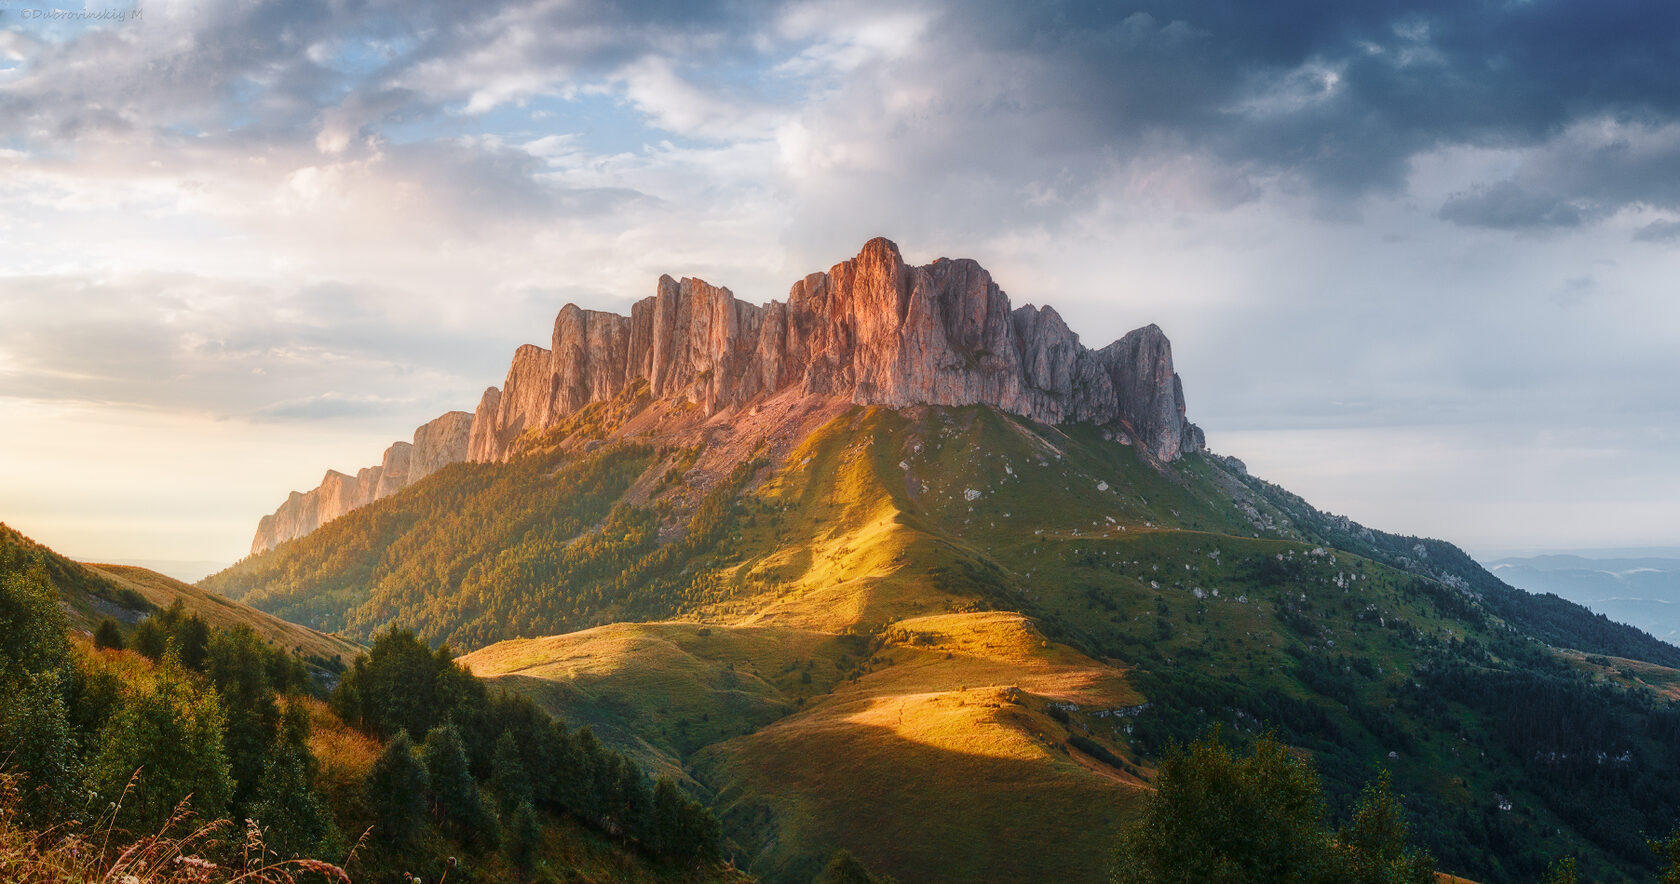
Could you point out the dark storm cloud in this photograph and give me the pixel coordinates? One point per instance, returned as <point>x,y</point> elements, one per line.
<point>1342,94</point>
<point>1333,97</point>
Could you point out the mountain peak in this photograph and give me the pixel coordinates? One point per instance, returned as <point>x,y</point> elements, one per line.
<point>871,330</point>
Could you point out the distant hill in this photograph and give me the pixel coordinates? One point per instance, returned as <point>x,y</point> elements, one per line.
<point>126,593</point>
<point>1642,591</point>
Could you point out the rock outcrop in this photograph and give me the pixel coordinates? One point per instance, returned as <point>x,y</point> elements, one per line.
<point>871,329</point>
<point>436,444</point>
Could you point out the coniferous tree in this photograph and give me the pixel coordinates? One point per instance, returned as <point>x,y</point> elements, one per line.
<point>237,667</point>
<point>151,638</point>
<point>192,641</point>
<point>31,625</point>
<point>108,635</point>
<point>668,819</point>
<point>455,796</point>
<point>524,837</point>
<point>295,821</point>
<point>508,779</point>
<point>396,792</point>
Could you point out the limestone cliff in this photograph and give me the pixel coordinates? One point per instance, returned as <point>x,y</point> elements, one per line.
<point>872,329</point>
<point>436,444</point>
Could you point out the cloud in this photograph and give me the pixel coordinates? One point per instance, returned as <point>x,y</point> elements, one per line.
<point>329,405</point>
<point>1507,206</point>
<point>1659,232</point>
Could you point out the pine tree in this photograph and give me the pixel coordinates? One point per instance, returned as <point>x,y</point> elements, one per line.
<point>238,669</point>
<point>668,837</point>
<point>192,642</point>
<point>396,792</point>
<point>524,837</point>
<point>151,638</point>
<point>455,797</point>
<point>108,635</point>
<point>295,821</point>
<point>508,779</point>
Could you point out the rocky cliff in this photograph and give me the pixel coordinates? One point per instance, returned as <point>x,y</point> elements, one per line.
<point>872,329</point>
<point>436,444</point>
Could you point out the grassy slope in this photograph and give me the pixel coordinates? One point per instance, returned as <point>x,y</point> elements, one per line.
<point>908,617</point>
<point>222,613</point>
<point>89,593</point>
<point>868,559</point>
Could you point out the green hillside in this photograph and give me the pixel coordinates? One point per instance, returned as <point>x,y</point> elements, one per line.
<point>89,593</point>
<point>940,638</point>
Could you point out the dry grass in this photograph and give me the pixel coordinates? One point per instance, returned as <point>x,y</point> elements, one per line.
<point>178,853</point>
<point>222,613</point>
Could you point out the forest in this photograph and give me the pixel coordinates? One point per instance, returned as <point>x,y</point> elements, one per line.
<point>151,742</point>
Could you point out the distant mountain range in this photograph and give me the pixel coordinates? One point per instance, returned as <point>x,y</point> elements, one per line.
<point>1641,590</point>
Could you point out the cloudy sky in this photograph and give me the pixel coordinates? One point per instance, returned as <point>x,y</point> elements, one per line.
<point>1418,260</point>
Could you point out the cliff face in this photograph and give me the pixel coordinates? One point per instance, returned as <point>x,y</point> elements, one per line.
<point>871,329</point>
<point>436,444</point>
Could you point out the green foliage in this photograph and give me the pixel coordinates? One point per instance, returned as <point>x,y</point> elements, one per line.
<point>1668,849</point>
<point>1378,841</point>
<point>524,836</point>
<point>1217,816</point>
<point>843,868</point>
<point>173,627</point>
<point>31,624</point>
<point>236,661</point>
<point>1563,871</point>
<point>474,553</point>
<point>508,780</point>
<point>108,635</point>
<point>36,732</point>
<point>294,819</point>
<point>168,730</point>
<point>1221,818</point>
<point>82,588</point>
<point>455,797</point>
<point>400,685</point>
<point>396,792</point>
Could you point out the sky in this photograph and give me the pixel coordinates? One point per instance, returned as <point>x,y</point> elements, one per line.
<point>1417,260</point>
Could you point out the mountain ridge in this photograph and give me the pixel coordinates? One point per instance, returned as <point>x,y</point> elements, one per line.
<point>872,330</point>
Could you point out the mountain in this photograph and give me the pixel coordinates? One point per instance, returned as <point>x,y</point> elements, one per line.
<point>1643,591</point>
<point>954,636</point>
<point>871,330</point>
